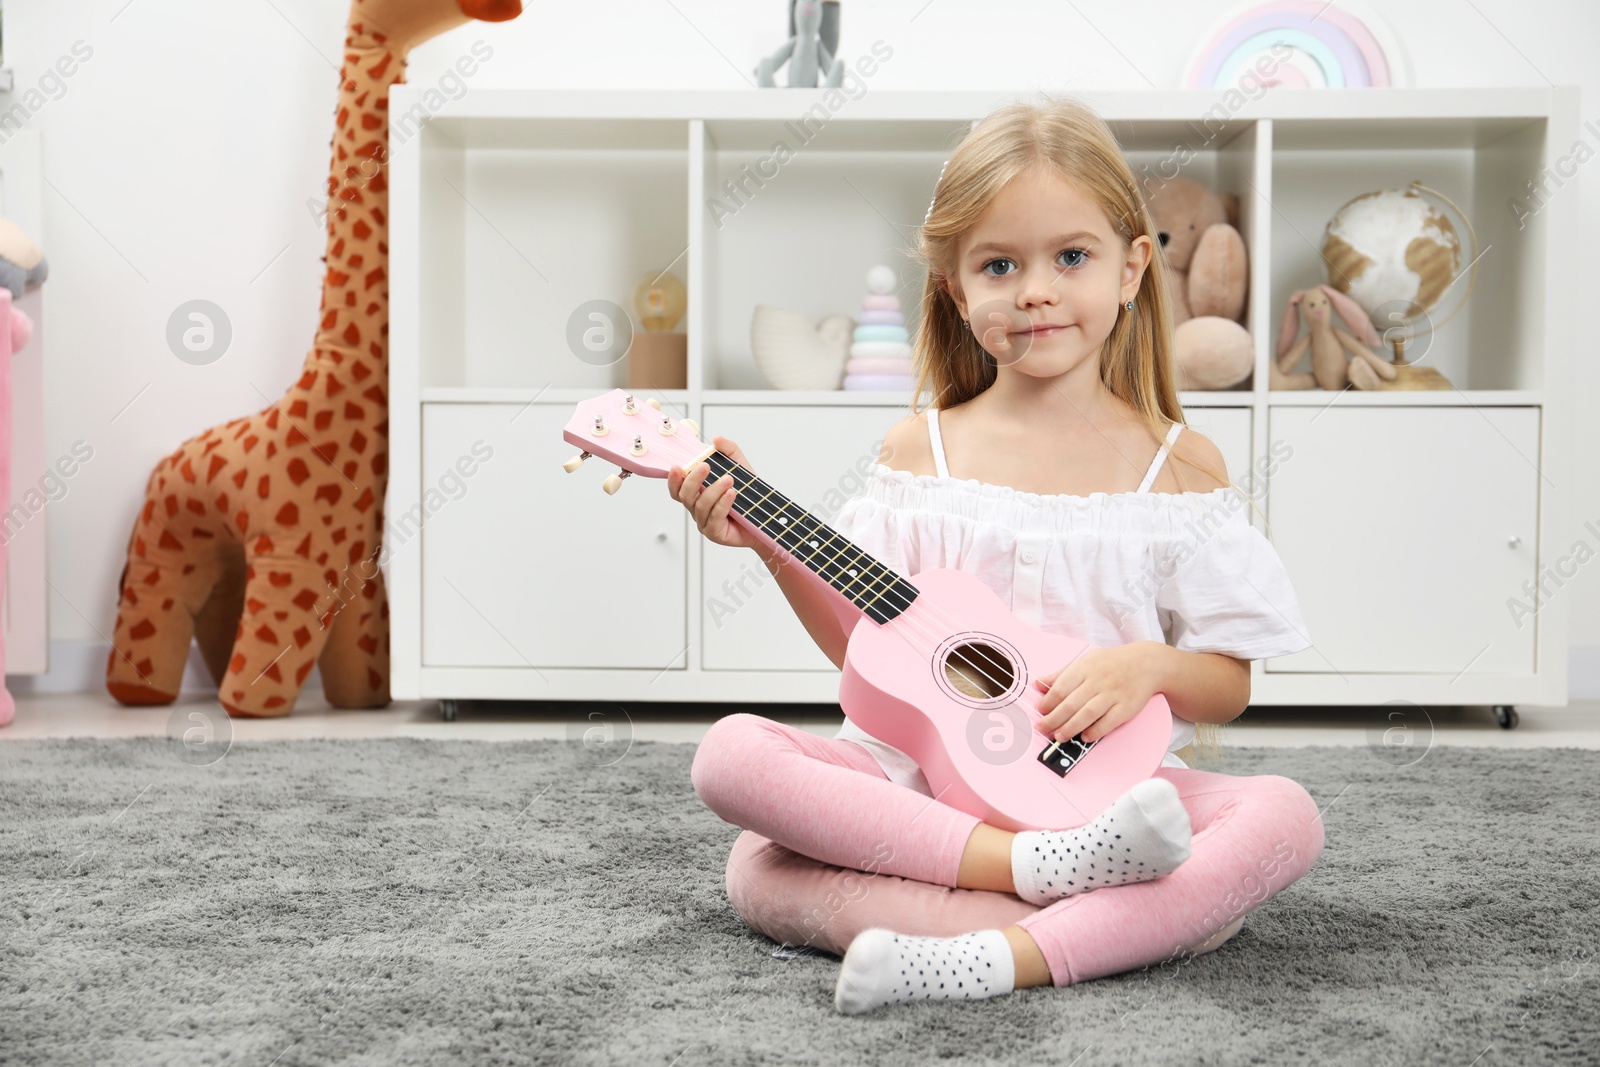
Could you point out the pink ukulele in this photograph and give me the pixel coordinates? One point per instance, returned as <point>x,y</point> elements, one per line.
<point>940,670</point>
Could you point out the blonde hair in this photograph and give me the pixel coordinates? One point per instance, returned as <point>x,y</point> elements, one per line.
<point>1136,365</point>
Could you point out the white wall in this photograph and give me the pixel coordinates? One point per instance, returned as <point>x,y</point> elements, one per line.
<point>180,157</point>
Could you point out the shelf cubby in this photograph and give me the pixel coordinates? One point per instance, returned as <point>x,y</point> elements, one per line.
<point>1497,340</point>
<point>521,229</point>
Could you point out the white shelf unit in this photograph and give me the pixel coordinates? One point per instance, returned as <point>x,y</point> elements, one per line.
<point>1409,521</point>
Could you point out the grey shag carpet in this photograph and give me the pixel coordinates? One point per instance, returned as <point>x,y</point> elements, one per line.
<point>411,902</point>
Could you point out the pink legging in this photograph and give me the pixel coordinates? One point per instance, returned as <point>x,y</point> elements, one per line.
<point>832,847</point>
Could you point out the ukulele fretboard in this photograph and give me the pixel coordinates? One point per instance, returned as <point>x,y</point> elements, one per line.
<point>880,592</point>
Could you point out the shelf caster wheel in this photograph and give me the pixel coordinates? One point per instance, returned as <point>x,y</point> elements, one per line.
<point>448,709</point>
<point>1506,716</point>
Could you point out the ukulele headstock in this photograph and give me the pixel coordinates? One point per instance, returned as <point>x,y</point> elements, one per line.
<point>633,434</point>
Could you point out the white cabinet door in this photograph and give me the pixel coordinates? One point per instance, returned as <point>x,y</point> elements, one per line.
<point>1408,533</point>
<point>525,565</point>
<point>817,456</point>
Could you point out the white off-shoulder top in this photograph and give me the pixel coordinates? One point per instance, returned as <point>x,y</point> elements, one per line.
<point>1187,569</point>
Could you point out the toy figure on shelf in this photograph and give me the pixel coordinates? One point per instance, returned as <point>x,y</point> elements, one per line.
<point>806,52</point>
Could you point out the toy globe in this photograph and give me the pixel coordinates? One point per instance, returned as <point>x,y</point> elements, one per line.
<point>1398,254</point>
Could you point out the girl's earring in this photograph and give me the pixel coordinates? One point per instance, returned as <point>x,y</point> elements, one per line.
<point>1129,305</point>
<point>964,325</point>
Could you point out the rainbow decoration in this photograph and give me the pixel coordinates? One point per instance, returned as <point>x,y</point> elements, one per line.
<point>1330,48</point>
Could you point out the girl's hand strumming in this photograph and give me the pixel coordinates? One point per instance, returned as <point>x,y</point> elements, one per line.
<point>710,504</point>
<point>1096,693</point>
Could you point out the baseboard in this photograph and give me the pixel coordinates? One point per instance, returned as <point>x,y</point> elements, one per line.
<point>80,667</point>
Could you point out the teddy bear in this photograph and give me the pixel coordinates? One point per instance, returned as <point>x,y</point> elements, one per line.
<point>1209,274</point>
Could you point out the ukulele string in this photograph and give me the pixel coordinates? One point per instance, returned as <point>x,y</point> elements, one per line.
<point>890,593</point>
<point>908,617</point>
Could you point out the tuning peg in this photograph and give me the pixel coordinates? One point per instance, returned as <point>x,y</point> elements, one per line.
<point>613,483</point>
<point>694,427</point>
<point>653,402</point>
<point>572,464</point>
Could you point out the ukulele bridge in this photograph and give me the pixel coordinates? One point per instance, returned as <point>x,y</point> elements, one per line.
<point>1062,756</point>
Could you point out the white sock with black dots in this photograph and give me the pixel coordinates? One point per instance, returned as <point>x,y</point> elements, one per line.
<point>1143,835</point>
<point>883,967</point>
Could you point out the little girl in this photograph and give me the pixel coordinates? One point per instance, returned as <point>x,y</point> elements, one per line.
<point>1046,340</point>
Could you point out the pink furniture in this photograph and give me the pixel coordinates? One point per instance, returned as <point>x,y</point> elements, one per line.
<point>15,329</point>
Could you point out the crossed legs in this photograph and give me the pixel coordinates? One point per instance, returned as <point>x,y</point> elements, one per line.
<point>832,848</point>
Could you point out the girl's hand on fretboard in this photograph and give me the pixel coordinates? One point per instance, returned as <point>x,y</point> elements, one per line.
<point>711,503</point>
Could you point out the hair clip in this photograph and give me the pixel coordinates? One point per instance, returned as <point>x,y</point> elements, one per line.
<point>971,126</point>
<point>935,196</point>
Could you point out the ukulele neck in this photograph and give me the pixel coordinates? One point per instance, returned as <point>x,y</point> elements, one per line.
<point>873,588</point>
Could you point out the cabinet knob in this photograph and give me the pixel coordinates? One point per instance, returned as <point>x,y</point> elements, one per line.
<point>661,536</point>
<point>1515,541</point>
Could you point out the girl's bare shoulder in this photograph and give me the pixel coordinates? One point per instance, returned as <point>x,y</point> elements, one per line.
<point>906,445</point>
<point>1193,458</point>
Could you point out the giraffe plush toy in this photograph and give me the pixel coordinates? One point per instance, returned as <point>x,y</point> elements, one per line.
<point>260,539</point>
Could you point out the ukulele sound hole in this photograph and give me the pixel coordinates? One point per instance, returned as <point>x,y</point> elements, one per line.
<point>979,670</point>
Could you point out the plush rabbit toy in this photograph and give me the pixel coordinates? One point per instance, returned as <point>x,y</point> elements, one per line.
<point>1331,367</point>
